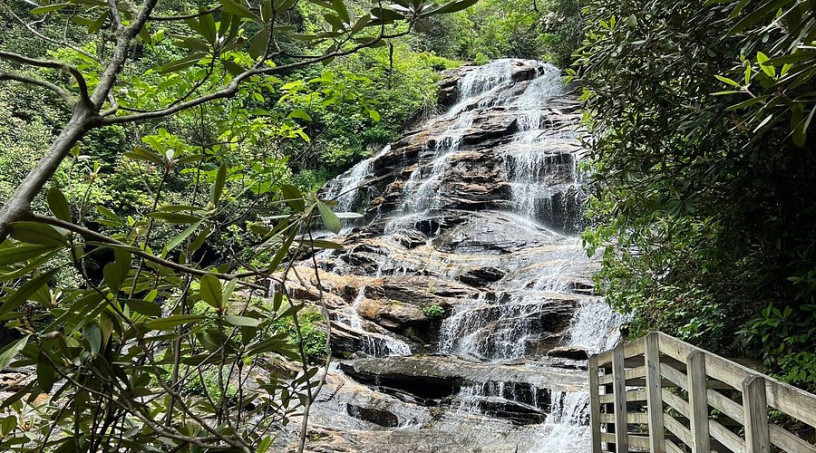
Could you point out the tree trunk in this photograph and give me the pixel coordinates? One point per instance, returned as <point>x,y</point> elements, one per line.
<point>20,202</point>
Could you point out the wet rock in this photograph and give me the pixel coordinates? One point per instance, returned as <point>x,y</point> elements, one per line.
<point>569,352</point>
<point>377,416</point>
<point>482,276</point>
<point>439,376</point>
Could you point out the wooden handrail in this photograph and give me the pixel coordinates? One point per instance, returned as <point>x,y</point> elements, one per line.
<point>634,385</point>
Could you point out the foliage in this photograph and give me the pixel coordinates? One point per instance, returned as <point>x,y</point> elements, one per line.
<point>701,191</point>
<point>314,336</point>
<point>434,311</point>
<point>535,29</point>
<point>165,133</point>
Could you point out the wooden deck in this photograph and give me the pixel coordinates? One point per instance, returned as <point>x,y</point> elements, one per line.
<point>660,394</point>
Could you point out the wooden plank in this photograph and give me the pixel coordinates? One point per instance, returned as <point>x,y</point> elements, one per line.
<point>604,358</point>
<point>633,348</point>
<point>755,413</point>
<point>631,396</point>
<point>594,404</point>
<point>672,375</point>
<point>784,397</point>
<point>678,430</point>
<point>726,437</point>
<point>635,441</point>
<point>679,404</point>
<point>698,402</point>
<point>633,370</point>
<point>789,441</point>
<point>619,390</point>
<point>631,417</point>
<point>630,374</point>
<point>726,405</point>
<point>791,400</point>
<point>654,394</point>
<point>672,448</point>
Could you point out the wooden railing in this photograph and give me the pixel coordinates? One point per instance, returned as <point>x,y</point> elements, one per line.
<point>660,394</point>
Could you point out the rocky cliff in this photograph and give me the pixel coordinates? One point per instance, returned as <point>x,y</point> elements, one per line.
<point>462,305</point>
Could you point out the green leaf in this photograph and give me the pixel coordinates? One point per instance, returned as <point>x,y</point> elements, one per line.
<point>264,445</point>
<point>46,374</point>
<point>93,334</point>
<point>258,44</point>
<point>98,23</point>
<point>8,424</point>
<point>375,115</point>
<point>207,26</point>
<point>218,187</point>
<point>228,290</point>
<point>11,351</point>
<point>23,252</point>
<point>179,238</point>
<point>144,307</point>
<point>175,218</point>
<point>211,290</point>
<point>727,81</point>
<point>452,7</point>
<point>171,322</point>
<point>293,196</point>
<point>37,233</point>
<point>25,292</point>
<point>180,64</point>
<point>386,14</point>
<point>48,8</point>
<point>58,204</point>
<point>113,277</point>
<point>237,9</point>
<point>330,220</point>
<point>145,155</point>
<point>768,69</point>
<point>340,7</point>
<point>242,321</point>
<point>301,114</point>
<point>321,244</point>
<point>109,214</point>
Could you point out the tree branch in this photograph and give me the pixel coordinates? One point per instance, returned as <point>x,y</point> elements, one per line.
<point>184,17</point>
<point>42,83</point>
<point>82,231</point>
<point>22,59</point>
<point>232,88</point>
<point>117,18</point>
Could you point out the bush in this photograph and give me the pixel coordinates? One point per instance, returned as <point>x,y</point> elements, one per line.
<point>434,311</point>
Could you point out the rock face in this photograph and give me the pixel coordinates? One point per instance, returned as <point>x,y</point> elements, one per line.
<point>456,300</point>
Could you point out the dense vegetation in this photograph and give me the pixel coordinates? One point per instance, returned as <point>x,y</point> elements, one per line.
<point>182,147</point>
<point>704,172</point>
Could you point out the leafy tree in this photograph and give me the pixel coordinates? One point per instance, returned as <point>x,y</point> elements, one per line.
<point>702,183</point>
<point>118,341</point>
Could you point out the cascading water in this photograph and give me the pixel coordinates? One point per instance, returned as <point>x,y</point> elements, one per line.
<point>488,197</point>
<point>348,188</point>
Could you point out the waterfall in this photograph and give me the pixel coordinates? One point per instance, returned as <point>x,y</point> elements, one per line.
<point>348,187</point>
<point>538,299</point>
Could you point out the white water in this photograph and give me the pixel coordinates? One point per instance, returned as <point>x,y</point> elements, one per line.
<point>595,326</point>
<point>348,188</point>
<point>506,324</point>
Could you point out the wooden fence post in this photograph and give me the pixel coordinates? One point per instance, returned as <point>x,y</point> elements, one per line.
<point>594,404</point>
<point>698,402</point>
<point>755,411</point>
<point>654,395</point>
<point>619,391</point>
